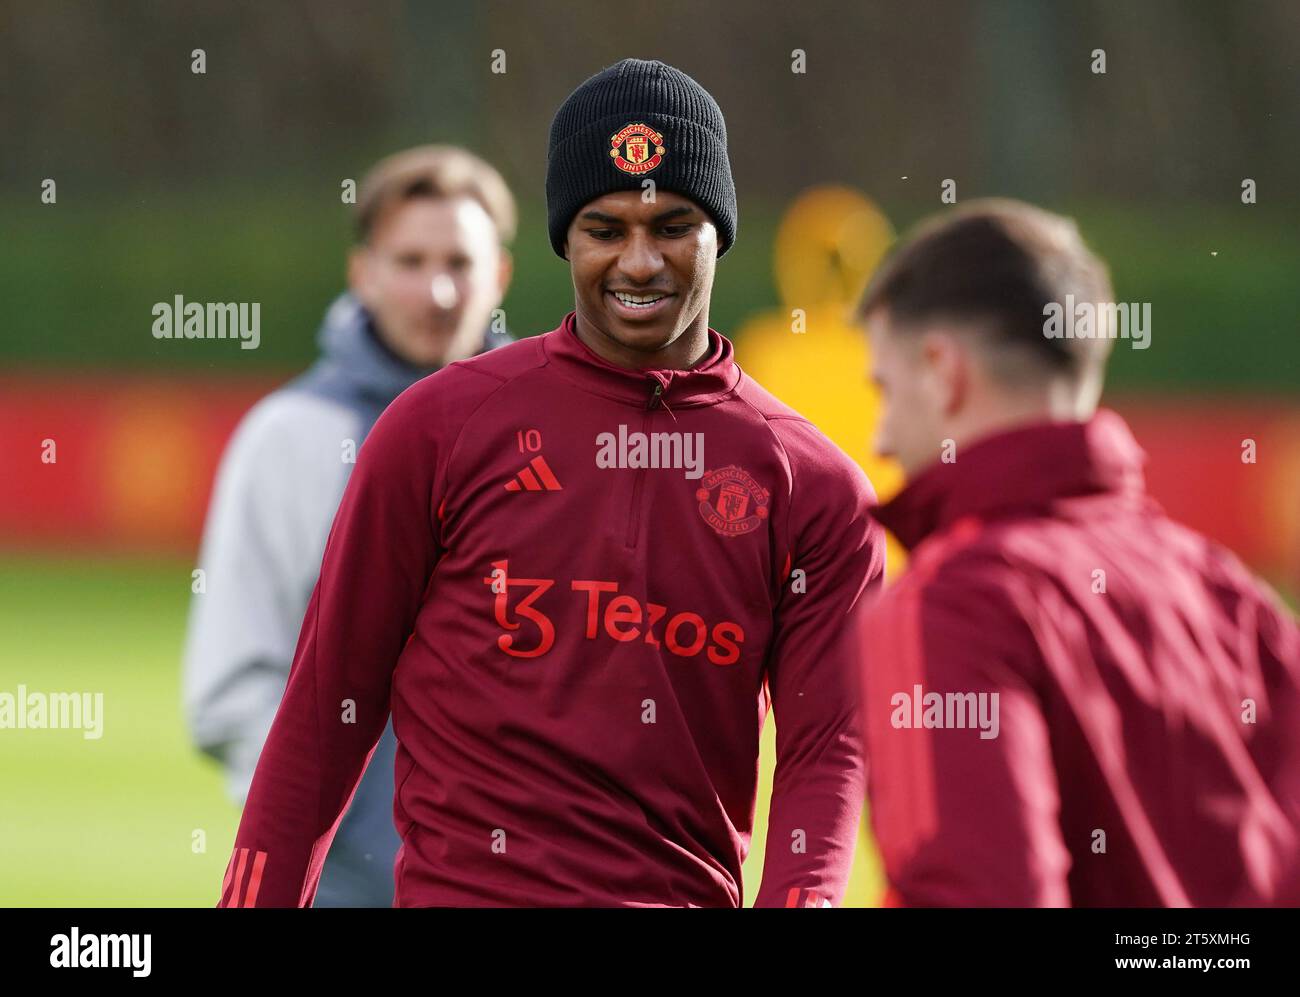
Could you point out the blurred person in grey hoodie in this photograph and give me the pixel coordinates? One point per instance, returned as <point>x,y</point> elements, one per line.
<point>428,271</point>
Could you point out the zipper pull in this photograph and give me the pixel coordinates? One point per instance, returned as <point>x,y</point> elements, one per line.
<point>656,393</point>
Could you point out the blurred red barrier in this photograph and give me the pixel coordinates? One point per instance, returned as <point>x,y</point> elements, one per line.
<point>1195,470</point>
<point>112,463</point>
<point>134,459</point>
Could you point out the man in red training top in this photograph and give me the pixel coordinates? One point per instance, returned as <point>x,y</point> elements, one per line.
<point>1070,699</point>
<point>578,569</point>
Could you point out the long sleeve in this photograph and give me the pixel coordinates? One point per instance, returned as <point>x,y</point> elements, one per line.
<point>275,495</point>
<point>378,560</point>
<point>963,816</point>
<point>837,564</point>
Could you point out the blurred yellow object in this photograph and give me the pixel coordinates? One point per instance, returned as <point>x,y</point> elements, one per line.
<point>812,357</point>
<point>828,246</point>
<point>809,353</point>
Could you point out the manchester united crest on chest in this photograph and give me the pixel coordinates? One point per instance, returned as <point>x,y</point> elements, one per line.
<point>731,501</point>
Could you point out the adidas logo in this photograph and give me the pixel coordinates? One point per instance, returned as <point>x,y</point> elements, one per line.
<point>536,477</point>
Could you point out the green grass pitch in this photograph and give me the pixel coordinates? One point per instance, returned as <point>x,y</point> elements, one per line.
<point>138,817</point>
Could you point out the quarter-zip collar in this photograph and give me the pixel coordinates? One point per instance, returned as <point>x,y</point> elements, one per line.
<point>708,382</point>
<point>1019,471</point>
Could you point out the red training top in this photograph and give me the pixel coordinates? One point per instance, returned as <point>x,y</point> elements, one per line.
<point>579,644</point>
<point>1145,749</point>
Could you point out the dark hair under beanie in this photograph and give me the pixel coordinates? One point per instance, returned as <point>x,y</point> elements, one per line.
<point>634,121</point>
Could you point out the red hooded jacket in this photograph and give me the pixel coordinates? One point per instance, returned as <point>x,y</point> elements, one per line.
<point>578,649</point>
<point>1144,744</point>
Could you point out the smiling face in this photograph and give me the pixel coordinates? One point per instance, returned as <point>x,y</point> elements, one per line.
<point>642,278</point>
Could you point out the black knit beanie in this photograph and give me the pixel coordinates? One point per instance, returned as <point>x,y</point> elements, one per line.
<point>634,121</point>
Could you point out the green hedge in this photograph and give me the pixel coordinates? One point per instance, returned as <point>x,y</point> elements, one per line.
<point>80,279</point>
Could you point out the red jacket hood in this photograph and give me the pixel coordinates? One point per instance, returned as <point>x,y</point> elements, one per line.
<point>1018,470</point>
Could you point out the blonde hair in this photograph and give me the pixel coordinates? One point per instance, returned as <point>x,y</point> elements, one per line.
<point>434,171</point>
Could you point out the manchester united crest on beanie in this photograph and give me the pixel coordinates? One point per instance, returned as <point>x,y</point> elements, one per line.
<point>634,121</point>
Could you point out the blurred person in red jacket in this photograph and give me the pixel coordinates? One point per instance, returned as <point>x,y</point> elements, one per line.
<point>1069,698</point>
